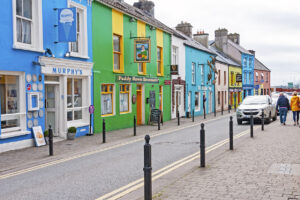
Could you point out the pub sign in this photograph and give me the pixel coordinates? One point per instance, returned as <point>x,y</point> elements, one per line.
<point>142,50</point>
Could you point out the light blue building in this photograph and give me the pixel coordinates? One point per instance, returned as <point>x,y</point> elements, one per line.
<point>248,74</point>
<point>35,66</point>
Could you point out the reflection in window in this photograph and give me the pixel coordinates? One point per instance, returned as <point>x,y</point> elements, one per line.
<point>74,99</point>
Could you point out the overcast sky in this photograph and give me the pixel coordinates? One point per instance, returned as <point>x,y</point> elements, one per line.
<point>270,27</point>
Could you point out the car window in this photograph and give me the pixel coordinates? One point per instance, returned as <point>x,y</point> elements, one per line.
<point>255,100</point>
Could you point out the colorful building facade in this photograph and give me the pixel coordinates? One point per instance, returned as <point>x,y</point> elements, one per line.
<point>43,81</point>
<point>122,88</point>
<point>262,81</point>
<point>235,87</point>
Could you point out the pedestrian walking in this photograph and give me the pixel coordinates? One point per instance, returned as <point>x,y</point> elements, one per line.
<point>295,107</point>
<point>283,106</point>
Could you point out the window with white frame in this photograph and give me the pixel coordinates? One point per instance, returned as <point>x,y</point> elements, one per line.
<point>79,48</point>
<point>124,98</point>
<point>202,75</point>
<point>174,55</point>
<point>74,99</point>
<point>12,112</point>
<point>193,73</point>
<point>197,101</point>
<point>28,27</point>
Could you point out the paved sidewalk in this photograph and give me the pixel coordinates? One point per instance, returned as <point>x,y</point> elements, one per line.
<point>21,159</point>
<point>265,167</point>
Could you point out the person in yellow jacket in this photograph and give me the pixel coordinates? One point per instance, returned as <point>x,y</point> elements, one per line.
<point>295,107</point>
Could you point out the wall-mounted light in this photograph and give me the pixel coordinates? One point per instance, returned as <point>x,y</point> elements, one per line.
<point>152,28</point>
<point>67,54</point>
<point>49,53</point>
<point>132,19</point>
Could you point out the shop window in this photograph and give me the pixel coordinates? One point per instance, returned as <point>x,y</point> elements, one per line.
<point>107,100</point>
<point>193,73</point>
<point>197,101</point>
<point>142,69</point>
<point>160,70</point>
<point>124,98</point>
<point>28,28</point>
<point>161,97</point>
<point>74,99</point>
<point>79,48</point>
<point>12,118</point>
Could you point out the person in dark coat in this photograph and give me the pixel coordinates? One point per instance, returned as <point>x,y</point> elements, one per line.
<point>283,106</point>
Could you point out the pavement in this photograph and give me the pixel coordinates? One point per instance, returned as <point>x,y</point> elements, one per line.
<point>16,160</point>
<point>264,167</point>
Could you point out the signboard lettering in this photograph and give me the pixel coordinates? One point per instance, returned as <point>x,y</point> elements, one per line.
<point>238,77</point>
<point>68,71</point>
<point>136,79</point>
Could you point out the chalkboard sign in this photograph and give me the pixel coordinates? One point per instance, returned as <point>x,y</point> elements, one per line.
<point>155,114</point>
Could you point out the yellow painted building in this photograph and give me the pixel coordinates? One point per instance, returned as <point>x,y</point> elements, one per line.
<point>235,86</point>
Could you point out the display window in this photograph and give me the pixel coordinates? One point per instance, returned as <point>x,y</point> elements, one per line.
<point>124,98</point>
<point>74,99</point>
<point>107,99</point>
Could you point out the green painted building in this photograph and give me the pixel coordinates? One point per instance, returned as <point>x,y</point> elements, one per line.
<point>124,88</point>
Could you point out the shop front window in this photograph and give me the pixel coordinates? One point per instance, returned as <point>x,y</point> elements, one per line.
<point>107,99</point>
<point>74,99</point>
<point>124,98</point>
<point>10,103</point>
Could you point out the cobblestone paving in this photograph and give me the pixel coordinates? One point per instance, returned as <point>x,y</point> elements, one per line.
<point>243,173</point>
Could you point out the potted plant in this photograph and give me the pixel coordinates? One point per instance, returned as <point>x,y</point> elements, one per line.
<point>71,133</point>
<point>46,136</point>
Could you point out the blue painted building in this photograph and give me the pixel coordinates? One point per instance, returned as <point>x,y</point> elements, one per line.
<point>35,67</point>
<point>248,73</point>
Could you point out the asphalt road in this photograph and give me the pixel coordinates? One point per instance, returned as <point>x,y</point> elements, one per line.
<point>93,176</point>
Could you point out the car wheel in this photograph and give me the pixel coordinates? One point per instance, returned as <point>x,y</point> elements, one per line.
<point>275,117</point>
<point>239,121</point>
<point>268,120</point>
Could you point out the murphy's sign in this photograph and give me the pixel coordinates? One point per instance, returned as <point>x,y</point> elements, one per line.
<point>136,79</point>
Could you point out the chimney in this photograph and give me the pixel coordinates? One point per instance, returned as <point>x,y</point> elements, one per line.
<point>221,39</point>
<point>234,37</point>
<point>185,28</point>
<point>202,38</point>
<point>252,51</point>
<point>146,6</point>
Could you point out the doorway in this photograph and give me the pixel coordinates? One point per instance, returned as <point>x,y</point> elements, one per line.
<point>51,107</point>
<point>139,104</point>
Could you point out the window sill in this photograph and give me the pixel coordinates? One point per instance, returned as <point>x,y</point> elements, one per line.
<point>75,55</point>
<point>14,134</point>
<point>108,115</point>
<point>77,124</point>
<point>27,48</point>
<point>160,75</point>
<point>118,72</point>
<point>142,74</point>
<point>123,113</point>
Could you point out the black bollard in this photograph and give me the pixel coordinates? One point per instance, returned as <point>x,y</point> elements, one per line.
<point>134,126</point>
<point>231,134</point>
<point>251,125</point>
<point>147,170</point>
<point>202,146</point>
<point>193,116</point>
<point>103,131</point>
<point>222,109</point>
<point>263,120</point>
<point>178,118</point>
<point>158,121</point>
<point>50,141</point>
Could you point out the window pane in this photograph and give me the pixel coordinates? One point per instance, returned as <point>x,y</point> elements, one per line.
<point>70,115</point>
<point>26,31</point>
<point>77,114</point>
<point>158,68</point>
<point>19,7</point>
<point>124,102</point>
<point>116,43</point>
<point>69,93</point>
<point>19,30</point>
<point>140,67</point>
<point>106,104</point>
<point>158,54</point>
<point>116,61</point>
<point>77,93</point>
<point>27,9</point>
<point>74,45</point>
<point>78,21</point>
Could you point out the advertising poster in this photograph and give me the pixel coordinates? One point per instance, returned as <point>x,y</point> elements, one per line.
<point>142,50</point>
<point>38,136</point>
<point>67,26</point>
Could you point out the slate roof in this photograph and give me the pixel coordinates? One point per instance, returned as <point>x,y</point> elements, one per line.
<point>221,57</point>
<point>192,43</point>
<point>238,47</point>
<point>260,66</point>
<point>136,13</point>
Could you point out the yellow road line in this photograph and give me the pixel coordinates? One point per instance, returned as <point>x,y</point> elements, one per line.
<point>23,171</point>
<point>118,193</point>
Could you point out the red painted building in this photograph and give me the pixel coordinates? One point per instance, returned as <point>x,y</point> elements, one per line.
<point>262,79</point>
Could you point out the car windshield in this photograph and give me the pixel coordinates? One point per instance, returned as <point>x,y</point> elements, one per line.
<point>255,100</point>
<point>274,96</point>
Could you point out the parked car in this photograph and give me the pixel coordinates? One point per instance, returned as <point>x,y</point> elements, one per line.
<point>254,105</point>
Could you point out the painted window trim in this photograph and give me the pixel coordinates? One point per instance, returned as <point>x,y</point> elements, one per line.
<point>36,31</point>
<point>121,70</point>
<point>83,43</point>
<point>144,72</point>
<point>113,99</point>
<point>193,73</point>
<point>129,98</point>
<point>161,61</point>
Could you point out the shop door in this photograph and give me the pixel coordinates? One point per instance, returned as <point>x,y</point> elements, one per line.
<point>51,102</point>
<point>139,104</point>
